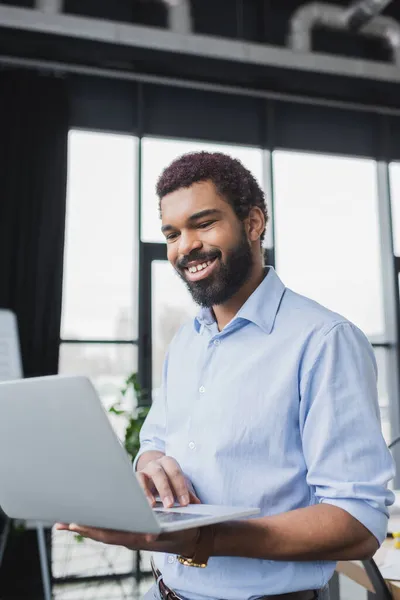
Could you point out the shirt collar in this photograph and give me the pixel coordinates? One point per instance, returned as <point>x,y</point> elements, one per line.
<point>260,308</point>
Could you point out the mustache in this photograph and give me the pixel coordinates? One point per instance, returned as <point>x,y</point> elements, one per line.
<point>200,256</point>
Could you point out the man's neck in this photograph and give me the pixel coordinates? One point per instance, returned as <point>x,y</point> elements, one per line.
<point>224,313</point>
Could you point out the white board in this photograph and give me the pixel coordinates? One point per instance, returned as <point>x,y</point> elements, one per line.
<point>10,355</point>
<point>10,368</point>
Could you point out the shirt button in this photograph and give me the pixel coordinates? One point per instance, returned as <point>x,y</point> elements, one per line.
<point>171,559</point>
<point>217,342</point>
<point>202,389</point>
<point>192,445</point>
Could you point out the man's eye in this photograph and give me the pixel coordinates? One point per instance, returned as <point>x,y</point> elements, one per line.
<point>206,224</point>
<point>171,236</point>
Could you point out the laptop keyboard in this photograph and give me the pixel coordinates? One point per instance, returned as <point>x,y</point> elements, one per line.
<point>165,516</point>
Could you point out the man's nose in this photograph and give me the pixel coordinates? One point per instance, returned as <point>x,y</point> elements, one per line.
<point>188,243</point>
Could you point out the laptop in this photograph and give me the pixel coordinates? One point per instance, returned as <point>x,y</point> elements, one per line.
<point>61,461</point>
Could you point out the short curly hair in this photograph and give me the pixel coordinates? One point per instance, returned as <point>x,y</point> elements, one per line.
<point>232,180</point>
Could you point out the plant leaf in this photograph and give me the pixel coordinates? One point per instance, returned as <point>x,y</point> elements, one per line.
<point>116,411</point>
<point>134,421</point>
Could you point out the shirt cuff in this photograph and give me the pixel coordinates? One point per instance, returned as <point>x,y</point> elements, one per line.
<point>145,448</point>
<point>374,519</point>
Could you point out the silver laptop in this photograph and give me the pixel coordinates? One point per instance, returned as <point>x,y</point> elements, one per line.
<point>61,461</point>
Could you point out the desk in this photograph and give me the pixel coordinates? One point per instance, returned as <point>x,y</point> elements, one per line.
<point>355,571</point>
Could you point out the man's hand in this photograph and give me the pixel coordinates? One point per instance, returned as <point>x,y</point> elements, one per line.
<point>163,476</point>
<point>181,542</point>
<point>160,475</point>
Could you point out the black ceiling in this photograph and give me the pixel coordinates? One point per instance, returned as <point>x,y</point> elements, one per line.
<point>254,20</point>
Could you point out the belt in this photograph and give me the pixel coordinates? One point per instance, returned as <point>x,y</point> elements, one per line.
<point>167,594</point>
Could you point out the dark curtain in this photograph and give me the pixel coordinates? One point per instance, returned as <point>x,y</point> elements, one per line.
<point>33,172</point>
<point>34,119</point>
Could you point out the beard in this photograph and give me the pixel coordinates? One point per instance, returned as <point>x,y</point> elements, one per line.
<point>226,280</point>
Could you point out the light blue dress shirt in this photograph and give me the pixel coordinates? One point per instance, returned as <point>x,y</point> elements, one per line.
<point>278,410</point>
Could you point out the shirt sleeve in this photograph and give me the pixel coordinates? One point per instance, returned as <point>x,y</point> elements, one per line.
<point>348,462</point>
<point>152,433</point>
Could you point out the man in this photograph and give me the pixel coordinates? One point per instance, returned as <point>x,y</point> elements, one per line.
<point>268,400</point>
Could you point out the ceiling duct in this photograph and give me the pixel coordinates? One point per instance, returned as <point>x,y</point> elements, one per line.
<point>51,7</point>
<point>361,12</point>
<point>179,16</point>
<point>331,16</point>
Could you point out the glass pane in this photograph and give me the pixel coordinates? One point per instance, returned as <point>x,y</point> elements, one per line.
<point>381,355</point>
<point>327,233</point>
<point>169,311</point>
<point>99,296</point>
<point>394,170</point>
<point>108,366</point>
<point>159,153</point>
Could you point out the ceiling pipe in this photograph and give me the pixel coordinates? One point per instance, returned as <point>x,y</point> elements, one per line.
<point>179,16</point>
<point>308,17</point>
<point>361,12</point>
<point>331,16</point>
<point>50,7</point>
<point>388,29</point>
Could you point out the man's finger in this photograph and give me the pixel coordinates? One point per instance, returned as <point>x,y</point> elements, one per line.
<point>62,526</point>
<point>156,472</point>
<point>193,498</point>
<point>147,484</point>
<point>177,480</point>
<point>106,536</point>
<point>113,537</point>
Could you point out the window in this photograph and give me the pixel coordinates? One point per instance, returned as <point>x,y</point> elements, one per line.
<point>394,171</point>
<point>159,153</point>
<point>327,234</point>
<point>327,242</point>
<point>169,312</point>
<point>107,366</point>
<point>100,261</point>
<point>381,355</point>
<point>100,264</point>
<point>99,312</point>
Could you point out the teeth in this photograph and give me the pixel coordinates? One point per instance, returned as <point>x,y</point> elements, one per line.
<point>196,268</point>
<point>201,267</point>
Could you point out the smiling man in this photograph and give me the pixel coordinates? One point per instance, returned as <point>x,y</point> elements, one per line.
<point>212,279</point>
<point>269,400</point>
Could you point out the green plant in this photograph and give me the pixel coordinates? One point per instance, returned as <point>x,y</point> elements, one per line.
<point>136,419</point>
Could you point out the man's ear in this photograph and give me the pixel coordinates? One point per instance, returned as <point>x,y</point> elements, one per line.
<point>255,224</point>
